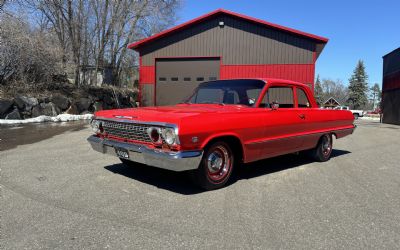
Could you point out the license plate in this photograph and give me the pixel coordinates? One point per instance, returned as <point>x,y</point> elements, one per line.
<point>122,153</point>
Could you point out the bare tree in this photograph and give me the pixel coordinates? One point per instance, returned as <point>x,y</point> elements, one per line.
<point>27,55</point>
<point>97,32</point>
<point>335,89</point>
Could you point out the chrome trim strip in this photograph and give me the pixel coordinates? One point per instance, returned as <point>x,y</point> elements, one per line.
<point>289,137</point>
<point>175,161</point>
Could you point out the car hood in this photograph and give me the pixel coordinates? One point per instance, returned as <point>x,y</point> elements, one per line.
<point>168,114</point>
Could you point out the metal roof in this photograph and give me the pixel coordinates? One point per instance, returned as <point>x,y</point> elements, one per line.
<point>167,32</point>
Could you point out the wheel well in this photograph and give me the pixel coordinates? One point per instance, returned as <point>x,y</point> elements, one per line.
<point>234,143</point>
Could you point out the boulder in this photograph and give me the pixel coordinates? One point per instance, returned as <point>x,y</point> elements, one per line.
<point>26,103</point>
<point>5,107</point>
<point>98,106</point>
<point>72,110</point>
<point>83,104</point>
<point>14,115</point>
<point>60,101</point>
<point>48,109</point>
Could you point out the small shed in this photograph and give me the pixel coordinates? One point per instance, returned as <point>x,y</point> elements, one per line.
<point>222,45</point>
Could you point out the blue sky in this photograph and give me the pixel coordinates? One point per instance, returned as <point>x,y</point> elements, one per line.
<point>356,29</point>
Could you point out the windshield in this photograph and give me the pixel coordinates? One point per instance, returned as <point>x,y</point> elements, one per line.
<point>234,92</point>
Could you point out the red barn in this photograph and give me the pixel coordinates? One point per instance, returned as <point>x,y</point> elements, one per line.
<point>222,45</point>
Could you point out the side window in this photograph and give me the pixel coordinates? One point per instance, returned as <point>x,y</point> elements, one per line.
<point>302,99</point>
<point>281,95</point>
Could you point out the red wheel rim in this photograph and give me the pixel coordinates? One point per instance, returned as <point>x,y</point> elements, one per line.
<point>219,163</point>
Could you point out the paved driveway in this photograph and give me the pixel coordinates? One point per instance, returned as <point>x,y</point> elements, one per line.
<point>59,194</point>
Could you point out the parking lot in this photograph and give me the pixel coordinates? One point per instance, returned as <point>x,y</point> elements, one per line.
<point>58,193</point>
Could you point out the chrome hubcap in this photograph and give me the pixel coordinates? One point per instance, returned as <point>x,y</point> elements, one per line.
<point>218,163</point>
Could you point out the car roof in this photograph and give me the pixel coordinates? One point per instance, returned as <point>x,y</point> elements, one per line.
<point>269,80</point>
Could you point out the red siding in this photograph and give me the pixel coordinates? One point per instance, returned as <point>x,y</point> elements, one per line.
<point>303,73</point>
<point>147,74</point>
<point>391,81</point>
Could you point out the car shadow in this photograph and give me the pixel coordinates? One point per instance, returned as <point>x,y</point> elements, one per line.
<point>180,182</point>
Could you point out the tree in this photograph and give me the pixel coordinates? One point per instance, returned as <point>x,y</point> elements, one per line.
<point>375,95</point>
<point>97,32</point>
<point>358,87</point>
<point>335,89</point>
<point>318,92</point>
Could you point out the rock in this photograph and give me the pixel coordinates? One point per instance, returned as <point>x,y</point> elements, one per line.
<point>26,103</point>
<point>48,109</point>
<point>107,98</point>
<point>83,104</point>
<point>14,115</point>
<point>72,110</point>
<point>98,106</point>
<point>60,101</point>
<point>5,106</point>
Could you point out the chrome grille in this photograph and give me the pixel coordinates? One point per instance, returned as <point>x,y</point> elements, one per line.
<point>130,131</point>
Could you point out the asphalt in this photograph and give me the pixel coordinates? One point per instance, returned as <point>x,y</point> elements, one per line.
<point>57,193</point>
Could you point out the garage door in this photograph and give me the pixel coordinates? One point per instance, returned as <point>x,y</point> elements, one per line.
<point>177,78</point>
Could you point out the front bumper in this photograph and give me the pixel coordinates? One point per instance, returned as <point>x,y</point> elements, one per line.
<point>175,161</point>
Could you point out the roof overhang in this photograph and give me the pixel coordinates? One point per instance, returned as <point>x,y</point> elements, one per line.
<point>318,39</point>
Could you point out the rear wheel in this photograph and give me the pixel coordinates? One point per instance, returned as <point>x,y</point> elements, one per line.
<point>216,166</point>
<point>323,150</point>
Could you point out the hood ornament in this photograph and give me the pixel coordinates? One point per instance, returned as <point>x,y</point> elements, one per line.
<point>124,117</point>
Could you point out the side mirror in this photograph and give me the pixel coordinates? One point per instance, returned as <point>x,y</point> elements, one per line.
<point>275,105</point>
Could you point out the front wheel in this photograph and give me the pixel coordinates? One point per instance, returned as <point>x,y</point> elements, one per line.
<point>323,150</point>
<point>216,166</point>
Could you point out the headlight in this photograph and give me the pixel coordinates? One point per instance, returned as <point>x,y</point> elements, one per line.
<point>96,126</point>
<point>169,136</point>
<point>154,134</point>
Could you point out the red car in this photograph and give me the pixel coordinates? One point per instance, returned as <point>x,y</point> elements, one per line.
<point>223,124</point>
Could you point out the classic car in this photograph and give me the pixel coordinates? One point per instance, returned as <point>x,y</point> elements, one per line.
<point>221,126</point>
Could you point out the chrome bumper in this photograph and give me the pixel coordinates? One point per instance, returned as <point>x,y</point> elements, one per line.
<point>175,161</point>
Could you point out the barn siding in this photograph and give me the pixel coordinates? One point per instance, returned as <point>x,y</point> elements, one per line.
<point>238,43</point>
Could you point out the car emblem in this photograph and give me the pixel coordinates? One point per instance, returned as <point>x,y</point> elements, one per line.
<point>124,117</point>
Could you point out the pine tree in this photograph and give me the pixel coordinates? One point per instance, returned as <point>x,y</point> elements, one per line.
<point>318,92</point>
<point>358,87</point>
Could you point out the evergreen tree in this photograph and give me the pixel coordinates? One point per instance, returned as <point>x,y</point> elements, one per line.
<point>358,87</point>
<point>318,92</point>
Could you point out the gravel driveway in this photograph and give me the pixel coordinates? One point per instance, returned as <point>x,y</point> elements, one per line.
<point>58,193</point>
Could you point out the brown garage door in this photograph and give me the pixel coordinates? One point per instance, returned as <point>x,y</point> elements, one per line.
<point>177,78</point>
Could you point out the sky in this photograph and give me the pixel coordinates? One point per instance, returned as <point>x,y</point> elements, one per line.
<point>356,29</point>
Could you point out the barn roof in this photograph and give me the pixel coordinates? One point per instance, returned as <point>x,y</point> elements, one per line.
<point>317,39</point>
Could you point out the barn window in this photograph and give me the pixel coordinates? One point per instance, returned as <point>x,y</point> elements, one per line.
<point>212,78</point>
<point>200,79</point>
<point>174,79</point>
<point>187,79</point>
<point>163,79</point>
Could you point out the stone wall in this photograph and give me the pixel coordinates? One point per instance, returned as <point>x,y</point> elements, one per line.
<point>70,101</point>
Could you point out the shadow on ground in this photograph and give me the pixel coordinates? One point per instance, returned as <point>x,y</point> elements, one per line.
<point>180,182</point>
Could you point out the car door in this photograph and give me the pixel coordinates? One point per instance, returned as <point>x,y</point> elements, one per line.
<point>307,119</point>
<point>281,120</point>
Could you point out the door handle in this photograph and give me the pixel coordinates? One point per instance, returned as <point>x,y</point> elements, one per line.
<point>302,116</point>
